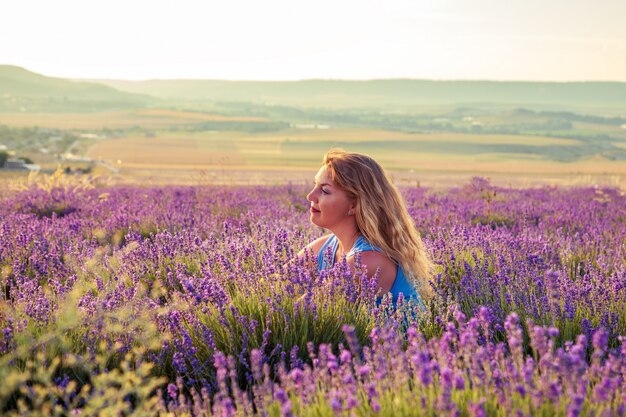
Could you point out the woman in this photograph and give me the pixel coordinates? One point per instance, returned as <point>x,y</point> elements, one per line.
<point>354,199</point>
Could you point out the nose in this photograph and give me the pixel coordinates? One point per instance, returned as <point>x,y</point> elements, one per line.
<point>311,195</point>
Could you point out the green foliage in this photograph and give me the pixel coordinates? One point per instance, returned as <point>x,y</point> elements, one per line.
<point>52,370</point>
<point>58,208</point>
<point>494,220</point>
<point>90,387</point>
<point>289,323</point>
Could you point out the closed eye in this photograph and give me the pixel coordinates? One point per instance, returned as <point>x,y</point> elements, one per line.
<point>323,190</point>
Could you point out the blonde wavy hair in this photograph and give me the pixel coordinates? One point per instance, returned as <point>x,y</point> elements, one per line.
<point>381,214</point>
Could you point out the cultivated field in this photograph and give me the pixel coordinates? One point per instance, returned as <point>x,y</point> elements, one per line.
<point>230,157</point>
<point>185,146</point>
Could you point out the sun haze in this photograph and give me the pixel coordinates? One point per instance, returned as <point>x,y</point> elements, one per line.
<point>285,40</point>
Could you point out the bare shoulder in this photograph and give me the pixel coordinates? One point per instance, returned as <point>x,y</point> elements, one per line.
<point>388,268</point>
<point>315,245</point>
<point>377,259</point>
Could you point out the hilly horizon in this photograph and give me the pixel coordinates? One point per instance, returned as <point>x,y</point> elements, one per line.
<point>24,90</point>
<point>20,88</point>
<point>401,93</point>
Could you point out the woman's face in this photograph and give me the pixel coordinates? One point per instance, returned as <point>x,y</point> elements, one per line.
<point>330,206</point>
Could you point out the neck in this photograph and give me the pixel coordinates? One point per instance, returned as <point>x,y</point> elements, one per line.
<point>347,236</point>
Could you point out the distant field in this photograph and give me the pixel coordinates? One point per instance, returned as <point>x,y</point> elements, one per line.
<point>301,146</point>
<point>357,136</point>
<point>617,131</point>
<point>295,155</point>
<point>175,146</point>
<point>145,118</point>
<point>169,149</point>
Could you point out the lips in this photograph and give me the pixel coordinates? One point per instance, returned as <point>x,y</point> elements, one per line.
<point>314,210</point>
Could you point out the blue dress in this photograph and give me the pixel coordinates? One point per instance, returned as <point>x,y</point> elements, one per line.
<point>401,283</point>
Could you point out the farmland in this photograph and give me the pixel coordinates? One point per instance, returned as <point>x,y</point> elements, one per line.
<point>519,134</point>
<point>412,157</point>
<point>174,146</point>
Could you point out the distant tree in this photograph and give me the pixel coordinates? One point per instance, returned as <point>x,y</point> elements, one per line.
<point>3,158</point>
<point>26,160</point>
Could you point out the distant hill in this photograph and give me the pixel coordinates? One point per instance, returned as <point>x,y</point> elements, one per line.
<point>23,90</point>
<point>380,93</point>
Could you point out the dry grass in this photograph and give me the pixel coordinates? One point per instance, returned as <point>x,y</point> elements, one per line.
<point>168,149</point>
<point>155,174</point>
<point>261,175</point>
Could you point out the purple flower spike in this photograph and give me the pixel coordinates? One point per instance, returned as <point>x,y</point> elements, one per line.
<point>172,391</point>
<point>281,395</point>
<point>477,409</point>
<point>600,340</point>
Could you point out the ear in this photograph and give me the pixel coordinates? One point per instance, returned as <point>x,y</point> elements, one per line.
<point>352,206</point>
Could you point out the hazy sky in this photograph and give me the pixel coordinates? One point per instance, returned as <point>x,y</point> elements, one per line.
<point>341,39</point>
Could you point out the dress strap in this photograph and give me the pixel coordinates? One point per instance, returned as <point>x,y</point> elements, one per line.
<point>362,245</point>
<point>332,243</point>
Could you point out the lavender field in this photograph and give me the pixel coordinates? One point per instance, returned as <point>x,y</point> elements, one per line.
<point>188,301</point>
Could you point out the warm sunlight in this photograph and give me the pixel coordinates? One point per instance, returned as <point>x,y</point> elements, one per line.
<point>281,40</point>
